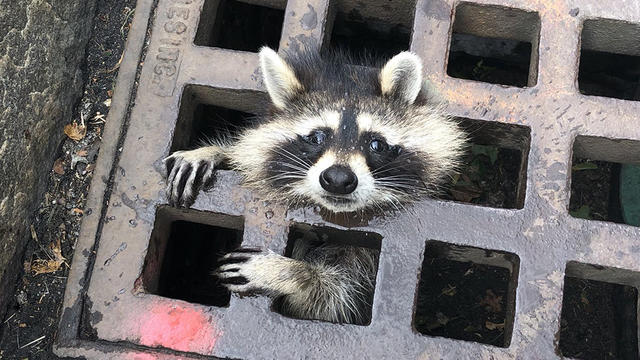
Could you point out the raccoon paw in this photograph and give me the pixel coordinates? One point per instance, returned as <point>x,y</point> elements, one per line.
<point>187,172</point>
<point>249,270</point>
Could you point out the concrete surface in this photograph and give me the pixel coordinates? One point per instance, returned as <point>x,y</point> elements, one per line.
<point>42,46</point>
<point>109,313</point>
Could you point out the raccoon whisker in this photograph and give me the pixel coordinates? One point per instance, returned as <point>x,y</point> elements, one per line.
<point>291,166</point>
<point>296,159</point>
<point>285,175</point>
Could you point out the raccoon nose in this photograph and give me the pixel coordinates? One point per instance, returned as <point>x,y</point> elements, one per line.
<point>338,180</point>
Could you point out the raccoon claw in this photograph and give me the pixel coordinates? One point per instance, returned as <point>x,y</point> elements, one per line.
<point>240,270</point>
<point>187,173</point>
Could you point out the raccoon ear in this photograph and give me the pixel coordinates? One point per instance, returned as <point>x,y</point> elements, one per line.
<point>279,78</point>
<point>401,77</point>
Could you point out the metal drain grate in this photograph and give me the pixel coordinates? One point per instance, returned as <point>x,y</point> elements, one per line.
<point>124,298</point>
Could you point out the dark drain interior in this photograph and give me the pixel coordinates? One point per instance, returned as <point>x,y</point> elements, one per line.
<point>603,186</point>
<point>599,319</point>
<point>183,254</point>
<point>495,61</point>
<point>208,114</point>
<point>493,171</point>
<point>467,293</point>
<point>494,44</point>
<point>239,26</point>
<point>304,238</point>
<point>368,39</point>
<point>610,59</point>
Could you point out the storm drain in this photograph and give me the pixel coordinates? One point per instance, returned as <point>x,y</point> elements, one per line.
<point>531,269</point>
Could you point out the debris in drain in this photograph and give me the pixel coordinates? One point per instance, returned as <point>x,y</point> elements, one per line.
<point>462,300</point>
<point>489,176</point>
<point>599,320</point>
<point>595,190</point>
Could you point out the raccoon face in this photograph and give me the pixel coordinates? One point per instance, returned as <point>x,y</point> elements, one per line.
<point>349,138</point>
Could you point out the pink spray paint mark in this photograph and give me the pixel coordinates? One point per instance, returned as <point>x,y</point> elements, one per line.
<point>142,357</point>
<point>177,328</point>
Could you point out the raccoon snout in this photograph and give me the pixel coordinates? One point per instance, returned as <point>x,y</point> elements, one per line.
<point>338,180</point>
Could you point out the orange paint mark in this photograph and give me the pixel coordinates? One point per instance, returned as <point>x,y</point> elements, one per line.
<point>177,328</point>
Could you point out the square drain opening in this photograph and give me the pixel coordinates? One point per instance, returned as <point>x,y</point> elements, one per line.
<point>369,35</point>
<point>494,169</point>
<point>184,250</point>
<point>208,113</point>
<point>237,25</point>
<point>599,318</point>
<point>338,249</point>
<point>494,44</point>
<point>605,178</point>
<point>467,293</point>
<point>610,59</point>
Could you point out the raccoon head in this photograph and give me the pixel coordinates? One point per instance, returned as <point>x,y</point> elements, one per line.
<point>349,137</point>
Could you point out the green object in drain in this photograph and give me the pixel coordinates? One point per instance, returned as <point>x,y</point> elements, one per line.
<point>630,194</point>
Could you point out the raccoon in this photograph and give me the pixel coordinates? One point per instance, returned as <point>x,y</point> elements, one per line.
<point>347,138</point>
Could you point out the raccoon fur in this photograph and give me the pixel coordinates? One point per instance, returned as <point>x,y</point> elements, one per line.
<point>344,137</point>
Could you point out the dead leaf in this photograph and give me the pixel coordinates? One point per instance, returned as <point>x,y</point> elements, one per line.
<point>583,299</point>
<point>75,132</point>
<point>116,66</point>
<point>492,302</point>
<point>41,266</point>
<point>58,166</point>
<point>107,102</point>
<point>449,291</point>
<point>82,152</point>
<point>109,93</point>
<point>22,325</point>
<point>493,326</point>
<point>77,211</point>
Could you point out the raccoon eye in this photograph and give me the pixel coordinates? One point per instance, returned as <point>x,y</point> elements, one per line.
<point>378,145</point>
<point>316,138</point>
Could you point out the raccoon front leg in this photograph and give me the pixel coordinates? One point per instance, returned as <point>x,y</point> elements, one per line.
<point>188,172</point>
<point>324,290</point>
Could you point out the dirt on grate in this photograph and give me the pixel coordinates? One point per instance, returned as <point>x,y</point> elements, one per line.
<point>29,328</point>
